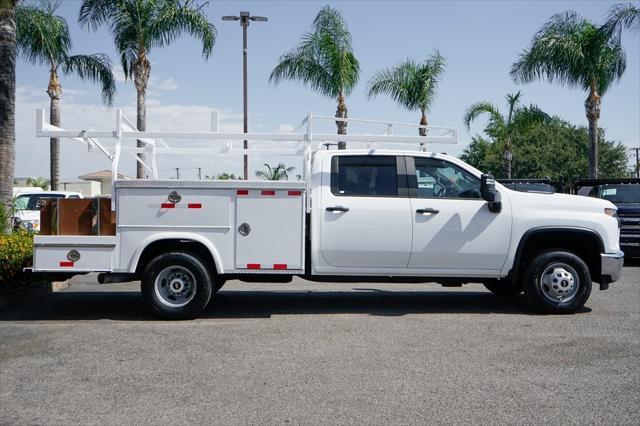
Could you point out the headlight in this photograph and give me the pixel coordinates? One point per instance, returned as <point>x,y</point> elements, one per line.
<point>611,212</point>
<point>30,225</point>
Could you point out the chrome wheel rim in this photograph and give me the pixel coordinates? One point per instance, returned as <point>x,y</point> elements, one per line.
<point>175,286</point>
<point>559,283</point>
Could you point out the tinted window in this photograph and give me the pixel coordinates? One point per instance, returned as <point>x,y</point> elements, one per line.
<point>629,193</point>
<point>441,179</point>
<point>372,176</point>
<point>32,201</point>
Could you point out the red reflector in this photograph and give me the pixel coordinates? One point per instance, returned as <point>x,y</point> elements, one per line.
<point>66,264</point>
<point>269,192</point>
<point>167,206</point>
<point>242,192</point>
<point>279,266</point>
<point>253,266</point>
<point>194,205</point>
<point>295,193</point>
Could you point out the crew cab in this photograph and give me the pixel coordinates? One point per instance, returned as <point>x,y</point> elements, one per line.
<point>358,215</point>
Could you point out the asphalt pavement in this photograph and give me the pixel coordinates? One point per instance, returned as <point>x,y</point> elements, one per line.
<point>305,353</point>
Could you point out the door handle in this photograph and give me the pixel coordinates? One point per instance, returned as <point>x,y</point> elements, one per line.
<point>337,209</point>
<point>427,211</point>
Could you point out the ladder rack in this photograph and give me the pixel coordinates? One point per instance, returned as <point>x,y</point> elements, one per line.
<point>305,142</point>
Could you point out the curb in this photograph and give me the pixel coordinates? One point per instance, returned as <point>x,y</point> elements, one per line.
<point>35,290</point>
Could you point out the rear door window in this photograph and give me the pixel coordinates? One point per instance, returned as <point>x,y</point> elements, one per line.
<point>364,175</point>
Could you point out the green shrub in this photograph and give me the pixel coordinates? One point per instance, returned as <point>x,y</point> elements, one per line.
<point>16,253</point>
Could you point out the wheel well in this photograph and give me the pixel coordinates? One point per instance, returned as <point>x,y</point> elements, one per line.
<point>587,245</point>
<point>163,246</point>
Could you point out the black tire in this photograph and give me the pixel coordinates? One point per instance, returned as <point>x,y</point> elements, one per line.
<point>189,273</point>
<point>563,272</point>
<point>502,289</point>
<point>218,284</point>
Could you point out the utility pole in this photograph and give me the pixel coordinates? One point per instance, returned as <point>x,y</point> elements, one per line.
<point>245,18</point>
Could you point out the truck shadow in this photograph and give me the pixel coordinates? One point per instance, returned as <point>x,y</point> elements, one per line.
<point>128,306</point>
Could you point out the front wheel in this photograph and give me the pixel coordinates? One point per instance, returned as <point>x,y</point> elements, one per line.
<point>176,285</point>
<point>557,282</point>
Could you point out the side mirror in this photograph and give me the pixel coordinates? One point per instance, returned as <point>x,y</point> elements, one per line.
<point>489,193</point>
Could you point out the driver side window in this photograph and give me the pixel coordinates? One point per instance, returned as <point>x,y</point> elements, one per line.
<point>440,179</point>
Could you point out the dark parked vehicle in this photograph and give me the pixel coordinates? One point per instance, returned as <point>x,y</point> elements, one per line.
<point>625,194</point>
<point>543,186</point>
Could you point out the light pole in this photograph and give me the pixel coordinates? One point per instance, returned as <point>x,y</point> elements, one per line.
<point>245,18</point>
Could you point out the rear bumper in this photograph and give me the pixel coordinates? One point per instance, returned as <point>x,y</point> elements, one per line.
<point>611,266</point>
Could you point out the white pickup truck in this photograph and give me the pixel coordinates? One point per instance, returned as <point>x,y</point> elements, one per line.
<point>359,215</point>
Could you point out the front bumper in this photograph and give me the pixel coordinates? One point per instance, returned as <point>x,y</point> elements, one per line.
<point>611,269</point>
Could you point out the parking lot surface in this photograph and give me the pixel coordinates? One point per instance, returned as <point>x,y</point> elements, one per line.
<point>309,353</point>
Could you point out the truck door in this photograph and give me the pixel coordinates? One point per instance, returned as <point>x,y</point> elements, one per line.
<point>453,228</point>
<point>366,213</point>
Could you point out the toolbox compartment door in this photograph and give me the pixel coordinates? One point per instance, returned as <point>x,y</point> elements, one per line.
<point>270,230</point>
<point>73,254</point>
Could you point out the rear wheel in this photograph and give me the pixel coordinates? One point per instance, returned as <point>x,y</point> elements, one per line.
<point>557,282</point>
<point>176,285</point>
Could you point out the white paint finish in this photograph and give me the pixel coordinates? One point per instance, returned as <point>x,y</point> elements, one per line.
<point>464,234</point>
<point>375,233</point>
<point>92,258</point>
<point>143,206</point>
<point>277,230</point>
<point>133,243</point>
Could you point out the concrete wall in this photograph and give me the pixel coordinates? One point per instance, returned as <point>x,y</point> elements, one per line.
<point>88,188</point>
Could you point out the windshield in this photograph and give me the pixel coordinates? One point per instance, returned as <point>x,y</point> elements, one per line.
<point>619,194</point>
<point>32,201</point>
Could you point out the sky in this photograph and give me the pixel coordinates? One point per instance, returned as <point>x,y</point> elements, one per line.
<point>479,39</point>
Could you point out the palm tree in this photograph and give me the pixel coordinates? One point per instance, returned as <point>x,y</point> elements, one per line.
<point>7,104</point>
<point>43,38</point>
<point>412,85</point>
<point>38,182</point>
<point>622,16</point>
<point>138,26</point>
<point>280,172</point>
<point>573,51</point>
<point>503,127</point>
<point>324,61</point>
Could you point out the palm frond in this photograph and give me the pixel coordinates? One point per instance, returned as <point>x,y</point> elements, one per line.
<point>96,68</point>
<point>41,35</point>
<point>571,50</point>
<point>622,16</point>
<point>94,13</point>
<point>410,84</point>
<point>527,116</point>
<point>512,102</point>
<point>174,19</point>
<point>324,58</point>
<point>476,110</point>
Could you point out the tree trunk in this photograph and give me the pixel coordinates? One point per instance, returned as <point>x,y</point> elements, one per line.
<point>423,122</point>
<point>7,106</point>
<point>592,109</point>
<point>508,158</point>
<point>141,71</point>
<point>54,90</point>
<point>341,112</point>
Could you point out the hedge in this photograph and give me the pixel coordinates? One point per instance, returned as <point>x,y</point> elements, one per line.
<point>16,253</point>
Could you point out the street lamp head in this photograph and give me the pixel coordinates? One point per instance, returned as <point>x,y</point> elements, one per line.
<point>230,18</point>
<point>259,18</point>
